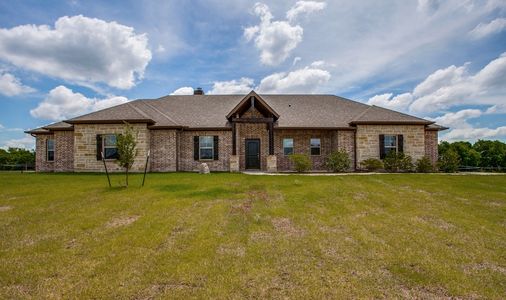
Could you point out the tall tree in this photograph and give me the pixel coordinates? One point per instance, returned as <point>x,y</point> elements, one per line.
<point>127,151</point>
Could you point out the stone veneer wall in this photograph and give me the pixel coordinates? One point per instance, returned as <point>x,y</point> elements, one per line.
<point>368,140</point>
<point>431,143</point>
<point>64,151</point>
<point>41,163</point>
<point>163,145</point>
<point>85,146</point>
<point>186,161</point>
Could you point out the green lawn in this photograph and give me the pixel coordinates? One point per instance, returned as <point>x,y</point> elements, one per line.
<point>241,236</point>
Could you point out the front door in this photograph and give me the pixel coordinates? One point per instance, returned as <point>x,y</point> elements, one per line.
<point>252,154</point>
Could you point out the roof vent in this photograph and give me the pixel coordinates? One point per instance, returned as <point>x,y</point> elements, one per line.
<point>198,91</point>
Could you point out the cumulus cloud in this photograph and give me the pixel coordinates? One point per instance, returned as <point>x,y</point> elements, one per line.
<point>476,133</point>
<point>304,7</point>
<point>241,86</point>
<point>185,90</point>
<point>27,142</point>
<point>277,39</point>
<point>485,29</point>
<point>305,80</point>
<point>452,87</point>
<point>399,102</point>
<point>62,103</point>
<point>80,50</point>
<point>458,119</point>
<point>12,86</point>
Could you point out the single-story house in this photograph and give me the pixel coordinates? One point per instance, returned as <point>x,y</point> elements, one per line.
<point>233,133</point>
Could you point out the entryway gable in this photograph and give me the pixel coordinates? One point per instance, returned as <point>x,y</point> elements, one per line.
<point>254,106</point>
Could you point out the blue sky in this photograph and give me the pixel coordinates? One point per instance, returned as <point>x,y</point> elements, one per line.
<point>442,60</point>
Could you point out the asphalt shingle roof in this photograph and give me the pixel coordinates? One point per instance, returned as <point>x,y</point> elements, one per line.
<point>210,111</point>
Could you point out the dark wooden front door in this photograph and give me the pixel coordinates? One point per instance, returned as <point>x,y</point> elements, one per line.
<point>252,154</point>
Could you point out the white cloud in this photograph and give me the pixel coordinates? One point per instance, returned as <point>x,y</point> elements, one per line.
<point>12,86</point>
<point>428,6</point>
<point>497,109</point>
<point>275,39</point>
<point>399,102</point>
<point>304,7</point>
<point>62,103</point>
<point>27,142</point>
<point>5,129</point>
<point>452,87</point>
<point>79,49</point>
<point>306,80</point>
<point>476,133</point>
<point>296,60</point>
<point>485,29</point>
<point>241,86</point>
<point>457,119</point>
<point>185,90</point>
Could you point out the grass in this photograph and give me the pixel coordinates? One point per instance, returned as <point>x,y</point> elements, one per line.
<point>238,236</point>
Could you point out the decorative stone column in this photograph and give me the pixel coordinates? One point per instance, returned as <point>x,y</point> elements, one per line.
<point>272,164</point>
<point>234,163</point>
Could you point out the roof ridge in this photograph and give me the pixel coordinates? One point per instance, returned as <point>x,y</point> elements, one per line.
<point>361,114</point>
<point>404,114</point>
<point>161,112</point>
<point>138,110</point>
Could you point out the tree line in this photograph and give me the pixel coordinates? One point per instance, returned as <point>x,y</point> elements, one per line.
<point>16,158</point>
<point>482,154</point>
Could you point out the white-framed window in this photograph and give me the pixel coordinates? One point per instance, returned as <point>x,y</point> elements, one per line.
<point>206,147</point>
<point>287,146</point>
<point>109,147</point>
<point>50,149</point>
<point>391,143</point>
<point>315,145</point>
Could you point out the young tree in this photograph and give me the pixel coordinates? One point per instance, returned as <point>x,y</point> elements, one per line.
<point>126,149</point>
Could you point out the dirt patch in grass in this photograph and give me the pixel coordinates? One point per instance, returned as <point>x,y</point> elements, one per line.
<point>260,236</point>
<point>5,208</point>
<point>485,266</point>
<point>242,208</point>
<point>121,221</point>
<point>231,250</point>
<point>286,227</point>
<point>436,222</point>
<point>425,293</point>
<point>157,290</point>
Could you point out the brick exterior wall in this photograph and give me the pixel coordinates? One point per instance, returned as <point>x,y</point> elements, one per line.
<point>163,145</point>
<point>368,140</point>
<point>346,141</point>
<point>41,163</point>
<point>64,151</point>
<point>186,160</point>
<point>431,143</point>
<point>301,140</point>
<point>331,140</point>
<point>85,146</point>
<point>252,131</point>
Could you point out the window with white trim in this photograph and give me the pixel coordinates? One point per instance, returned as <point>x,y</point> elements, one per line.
<point>288,146</point>
<point>109,147</point>
<point>315,145</point>
<point>391,143</point>
<point>206,147</point>
<point>50,149</point>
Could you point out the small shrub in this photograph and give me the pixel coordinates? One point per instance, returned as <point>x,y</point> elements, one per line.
<point>338,161</point>
<point>398,162</point>
<point>424,165</point>
<point>449,162</point>
<point>301,162</point>
<point>372,164</point>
